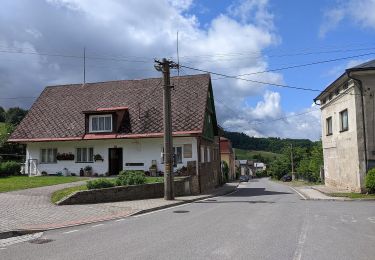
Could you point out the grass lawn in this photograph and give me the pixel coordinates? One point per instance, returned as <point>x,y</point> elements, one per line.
<point>353,195</point>
<point>298,183</point>
<point>12,183</point>
<point>58,195</point>
<point>249,154</point>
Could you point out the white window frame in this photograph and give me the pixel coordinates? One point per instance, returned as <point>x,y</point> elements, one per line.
<point>100,116</point>
<point>208,154</point>
<point>202,153</point>
<point>47,161</point>
<point>87,155</point>
<point>342,129</point>
<point>329,126</point>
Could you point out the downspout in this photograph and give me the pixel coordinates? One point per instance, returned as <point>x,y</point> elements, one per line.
<point>360,87</point>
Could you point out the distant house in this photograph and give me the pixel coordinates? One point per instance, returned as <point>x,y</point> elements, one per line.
<point>227,155</point>
<point>245,167</point>
<point>348,136</point>
<point>118,125</point>
<point>259,166</point>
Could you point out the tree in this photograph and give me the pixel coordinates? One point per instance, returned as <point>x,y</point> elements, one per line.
<point>14,115</point>
<point>2,114</point>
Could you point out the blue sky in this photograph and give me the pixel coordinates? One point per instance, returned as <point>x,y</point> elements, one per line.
<point>229,37</point>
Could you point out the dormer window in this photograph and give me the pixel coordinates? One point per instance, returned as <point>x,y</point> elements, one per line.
<point>100,123</point>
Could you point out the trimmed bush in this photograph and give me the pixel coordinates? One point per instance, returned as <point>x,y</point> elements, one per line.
<point>370,181</point>
<point>10,168</point>
<point>99,184</point>
<point>130,178</point>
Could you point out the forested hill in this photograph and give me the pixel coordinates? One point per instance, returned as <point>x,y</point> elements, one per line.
<point>271,144</point>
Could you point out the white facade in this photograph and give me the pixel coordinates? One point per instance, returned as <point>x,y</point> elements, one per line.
<point>143,150</point>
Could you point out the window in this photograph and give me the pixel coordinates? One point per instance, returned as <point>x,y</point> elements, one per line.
<point>202,153</point>
<point>134,164</point>
<point>323,101</point>
<point>188,151</point>
<point>329,125</point>
<point>330,96</point>
<point>208,154</point>
<point>85,155</point>
<point>337,92</point>
<point>101,123</point>
<point>48,155</point>
<point>209,118</point>
<point>177,152</point>
<point>344,126</point>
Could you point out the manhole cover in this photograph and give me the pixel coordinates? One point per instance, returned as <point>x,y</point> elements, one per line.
<point>40,241</point>
<point>181,211</point>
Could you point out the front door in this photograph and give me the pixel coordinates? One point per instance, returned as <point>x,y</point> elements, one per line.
<point>115,161</point>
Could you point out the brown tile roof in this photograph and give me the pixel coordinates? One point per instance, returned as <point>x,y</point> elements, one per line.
<point>225,146</point>
<point>58,112</point>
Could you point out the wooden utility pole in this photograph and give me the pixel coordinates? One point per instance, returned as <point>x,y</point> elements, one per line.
<point>291,159</point>
<point>164,66</point>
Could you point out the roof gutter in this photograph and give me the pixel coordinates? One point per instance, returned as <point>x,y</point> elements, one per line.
<point>360,87</point>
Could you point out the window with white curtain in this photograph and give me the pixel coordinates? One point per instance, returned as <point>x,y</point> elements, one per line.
<point>100,123</point>
<point>48,155</point>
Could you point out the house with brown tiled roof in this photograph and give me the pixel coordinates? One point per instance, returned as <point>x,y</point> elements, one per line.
<point>118,125</point>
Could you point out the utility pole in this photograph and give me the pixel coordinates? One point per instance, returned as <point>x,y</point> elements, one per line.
<point>164,66</point>
<point>291,159</point>
<point>84,65</point>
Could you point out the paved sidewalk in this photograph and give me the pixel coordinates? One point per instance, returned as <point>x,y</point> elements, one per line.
<point>312,193</point>
<point>32,210</point>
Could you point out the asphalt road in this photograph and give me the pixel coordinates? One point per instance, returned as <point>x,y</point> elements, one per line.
<point>261,220</point>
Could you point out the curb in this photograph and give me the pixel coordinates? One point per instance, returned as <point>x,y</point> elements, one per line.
<point>140,212</point>
<point>183,202</point>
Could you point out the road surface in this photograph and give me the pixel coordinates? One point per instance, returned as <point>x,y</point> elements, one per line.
<point>261,220</point>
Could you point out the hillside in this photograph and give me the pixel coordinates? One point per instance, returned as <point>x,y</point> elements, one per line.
<point>261,156</point>
<point>269,144</point>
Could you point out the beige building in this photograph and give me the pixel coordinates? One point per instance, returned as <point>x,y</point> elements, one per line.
<point>227,155</point>
<point>348,125</point>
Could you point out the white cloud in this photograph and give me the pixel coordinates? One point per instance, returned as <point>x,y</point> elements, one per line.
<point>142,30</point>
<point>359,11</point>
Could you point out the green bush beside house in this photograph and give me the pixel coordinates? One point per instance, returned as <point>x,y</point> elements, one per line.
<point>370,181</point>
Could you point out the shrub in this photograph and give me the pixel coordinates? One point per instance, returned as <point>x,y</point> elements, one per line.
<point>130,178</point>
<point>99,184</point>
<point>261,174</point>
<point>225,171</point>
<point>10,168</point>
<point>370,181</point>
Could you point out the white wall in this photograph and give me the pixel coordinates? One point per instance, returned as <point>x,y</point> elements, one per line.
<point>134,151</point>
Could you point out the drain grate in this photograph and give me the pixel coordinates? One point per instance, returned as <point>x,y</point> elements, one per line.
<point>40,241</point>
<point>181,211</point>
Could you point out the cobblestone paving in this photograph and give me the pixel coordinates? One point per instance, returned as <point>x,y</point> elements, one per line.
<point>32,210</point>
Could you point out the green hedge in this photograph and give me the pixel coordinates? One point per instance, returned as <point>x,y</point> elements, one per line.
<point>99,184</point>
<point>10,168</point>
<point>130,178</point>
<point>370,181</point>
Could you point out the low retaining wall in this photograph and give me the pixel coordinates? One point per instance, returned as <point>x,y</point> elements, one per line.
<point>121,193</point>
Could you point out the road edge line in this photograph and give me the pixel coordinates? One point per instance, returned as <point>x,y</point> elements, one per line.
<point>299,193</point>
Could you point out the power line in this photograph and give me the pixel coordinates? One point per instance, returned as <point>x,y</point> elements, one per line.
<point>259,82</point>
<point>308,64</point>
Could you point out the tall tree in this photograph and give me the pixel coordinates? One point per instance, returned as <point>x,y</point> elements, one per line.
<point>14,115</point>
<point>2,114</point>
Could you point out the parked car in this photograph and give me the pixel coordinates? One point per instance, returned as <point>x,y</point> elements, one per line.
<point>244,178</point>
<point>286,177</point>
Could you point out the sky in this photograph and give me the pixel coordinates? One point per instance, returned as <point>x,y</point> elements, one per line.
<point>42,43</point>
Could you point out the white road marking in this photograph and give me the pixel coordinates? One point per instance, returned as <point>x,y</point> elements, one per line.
<point>19,239</point>
<point>371,219</point>
<point>71,231</point>
<point>121,219</point>
<point>299,193</point>
<point>98,225</point>
<point>2,248</point>
<point>301,238</point>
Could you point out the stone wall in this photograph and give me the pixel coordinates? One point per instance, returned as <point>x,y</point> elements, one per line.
<point>122,193</point>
